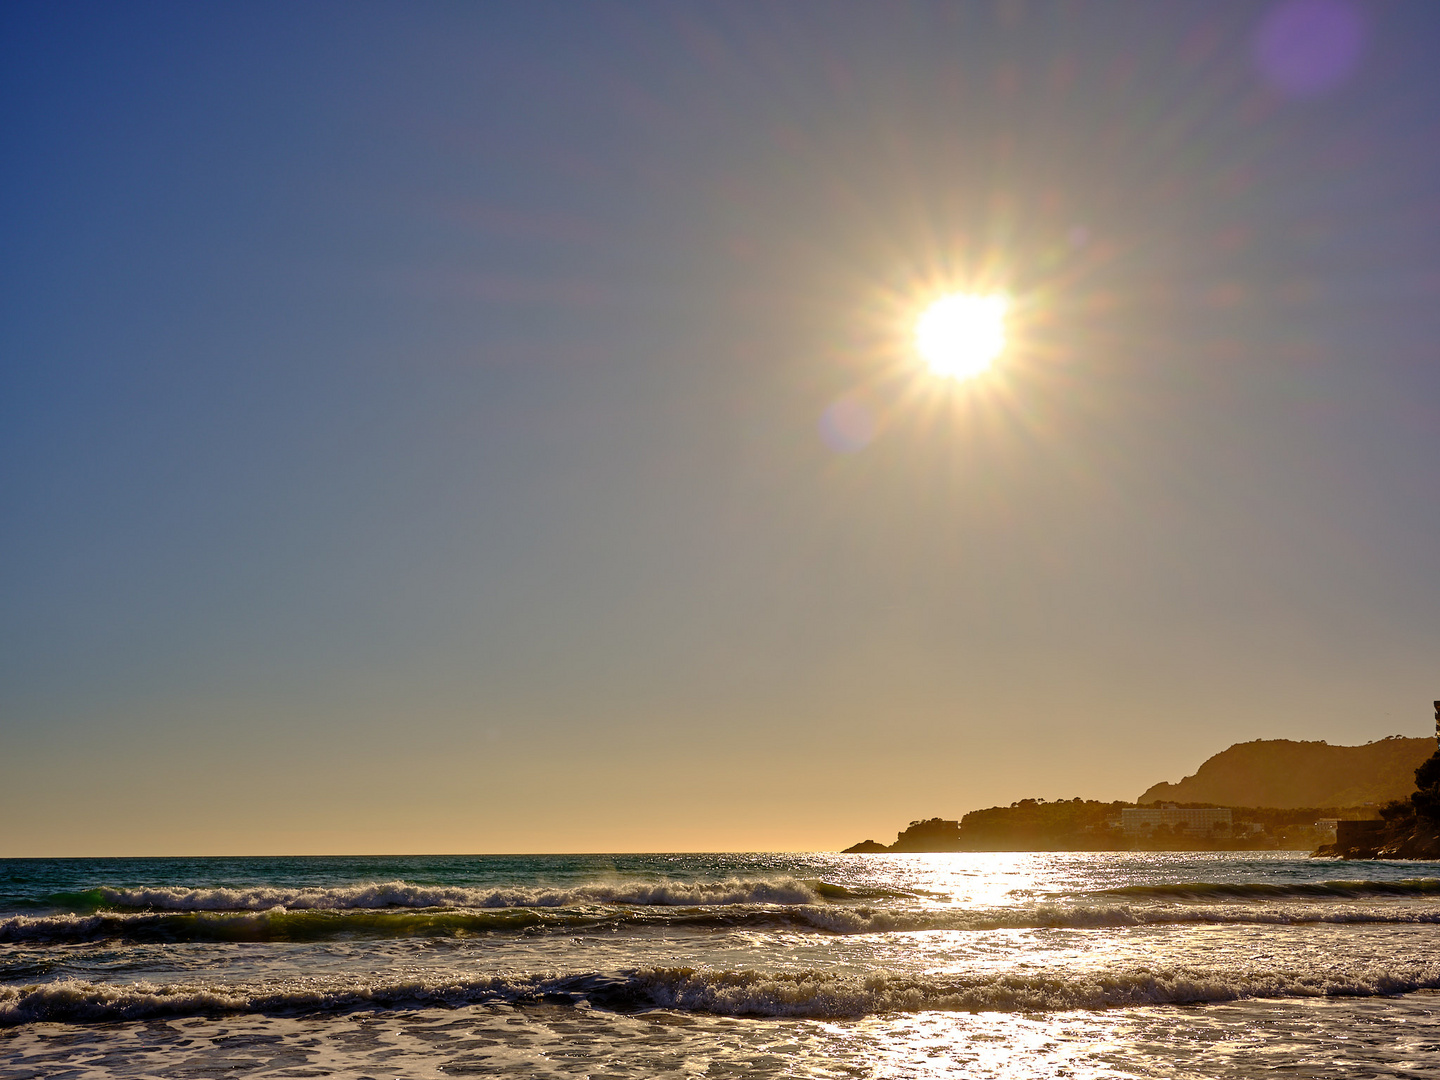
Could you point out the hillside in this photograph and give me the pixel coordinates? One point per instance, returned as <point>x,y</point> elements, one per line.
<point>1283,773</point>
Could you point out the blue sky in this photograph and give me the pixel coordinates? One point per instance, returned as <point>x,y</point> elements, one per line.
<point>411,416</point>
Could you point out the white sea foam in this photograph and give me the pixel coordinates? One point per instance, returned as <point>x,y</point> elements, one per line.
<point>807,994</point>
<point>306,923</point>
<point>864,920</point>
<point>400,894</point>
<point>1273,890</point>
<point>731,993</point>
<point>674,893</point>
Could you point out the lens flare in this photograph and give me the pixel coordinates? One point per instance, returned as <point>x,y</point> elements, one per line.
<point>960,335</point>
<point>847,426</point>
<point>1306,48</point>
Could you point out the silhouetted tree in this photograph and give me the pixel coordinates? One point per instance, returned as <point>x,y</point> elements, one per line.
<point>1426,799</point>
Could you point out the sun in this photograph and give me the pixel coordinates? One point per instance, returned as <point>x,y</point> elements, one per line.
<point>960,335</point>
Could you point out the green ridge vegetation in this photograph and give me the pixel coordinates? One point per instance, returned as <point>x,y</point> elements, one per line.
<point>1286,773</point>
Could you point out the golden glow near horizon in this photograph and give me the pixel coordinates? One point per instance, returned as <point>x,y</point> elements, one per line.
<point>961,334</point>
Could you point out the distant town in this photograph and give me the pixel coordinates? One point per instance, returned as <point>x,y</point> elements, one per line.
<point>1081,825</point>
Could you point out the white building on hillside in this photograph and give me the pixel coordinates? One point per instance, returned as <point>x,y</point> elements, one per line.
<point>1146,820</point>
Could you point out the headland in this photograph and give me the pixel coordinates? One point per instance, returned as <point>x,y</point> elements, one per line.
<point>1377,800</point>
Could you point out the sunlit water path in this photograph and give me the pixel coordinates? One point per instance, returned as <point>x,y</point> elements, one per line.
<point>1007,964</point>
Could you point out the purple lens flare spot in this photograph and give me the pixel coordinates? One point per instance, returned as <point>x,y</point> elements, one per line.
<point>1305,48</point>
<point>847,426</point>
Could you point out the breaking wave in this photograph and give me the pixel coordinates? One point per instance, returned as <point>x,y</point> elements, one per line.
<point>1328,890</point>
<point>729,993</point>
<point>282,924</point>
<point>401,894</point>
<point>389,896</point>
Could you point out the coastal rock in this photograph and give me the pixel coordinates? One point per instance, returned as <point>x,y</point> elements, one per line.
<point>1408,829</point>
<point>1422,842</point>
<point>865,847</point>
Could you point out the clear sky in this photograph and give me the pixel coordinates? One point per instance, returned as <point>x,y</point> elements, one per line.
<point>482,427</point>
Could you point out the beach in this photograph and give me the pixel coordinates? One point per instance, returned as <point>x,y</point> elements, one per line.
<point>987,964</point>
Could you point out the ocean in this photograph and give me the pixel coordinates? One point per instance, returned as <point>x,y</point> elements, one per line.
<point>1077,964</point>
